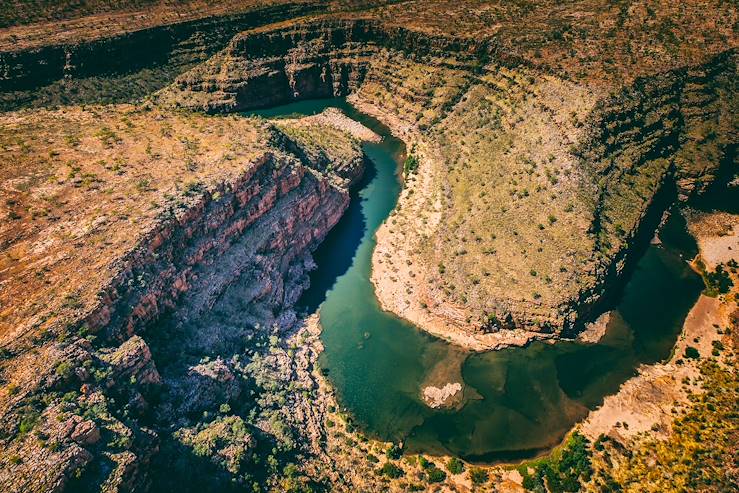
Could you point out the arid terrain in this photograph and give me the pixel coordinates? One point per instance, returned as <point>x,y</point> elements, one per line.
<point>155,240</point>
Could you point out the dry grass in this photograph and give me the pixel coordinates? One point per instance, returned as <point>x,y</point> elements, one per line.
<point>80,187</point>
<point>28,24</point>
<point>598,42</point>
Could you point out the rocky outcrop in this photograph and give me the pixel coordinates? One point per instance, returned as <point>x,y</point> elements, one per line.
<point>132,361</point>
<point>247,244</point>
<point>124,67</point>
<point>438,397</point>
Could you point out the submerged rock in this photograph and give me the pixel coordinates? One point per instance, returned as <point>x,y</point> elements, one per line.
<point>440,397</point>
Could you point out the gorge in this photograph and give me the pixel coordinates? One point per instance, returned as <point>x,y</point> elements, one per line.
<point>210,283</point>
<point>380,364</point>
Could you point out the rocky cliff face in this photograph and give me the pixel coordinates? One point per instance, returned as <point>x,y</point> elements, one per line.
<point>96,401</point>
<point>660,140</point>
<point>124,67</point>
<point>603,165</point>
<point>286,210</point>
<point>312,59</point>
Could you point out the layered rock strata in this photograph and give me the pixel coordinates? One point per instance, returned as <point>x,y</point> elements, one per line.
<point>497,141</point>
<point>124,67</point>
<point>86,396</point>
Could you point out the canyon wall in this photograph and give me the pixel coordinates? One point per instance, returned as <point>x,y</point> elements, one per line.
<point>217,268</point>
<point>661,140</point>
<point>313,59</point>
<point>592,171</point>
<point>123,67</point>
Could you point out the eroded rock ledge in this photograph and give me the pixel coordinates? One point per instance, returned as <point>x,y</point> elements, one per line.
<point>532,190</point>
<point>213,247</point>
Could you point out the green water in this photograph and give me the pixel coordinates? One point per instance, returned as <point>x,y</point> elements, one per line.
<point>517,402</point>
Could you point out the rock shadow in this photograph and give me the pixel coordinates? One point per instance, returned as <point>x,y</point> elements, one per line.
<point>337,251</point>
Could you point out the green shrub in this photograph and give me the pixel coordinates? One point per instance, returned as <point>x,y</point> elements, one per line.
<point>436,475</point>
<point>391,470</point>
<point>455,466</point>
<point>64,369</point>
<point>479,475</point>
<point>717,282</point>
<point>563,470</point>
<point>28,421</point>
<point>410,165</point>
<point>394,452</point>
<point>692,353</point>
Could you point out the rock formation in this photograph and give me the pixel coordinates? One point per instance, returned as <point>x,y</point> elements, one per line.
<point>497,140</point>
<point>220,249</point>
<point>152,254</point>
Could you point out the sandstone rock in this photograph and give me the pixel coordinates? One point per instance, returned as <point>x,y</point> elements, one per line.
<point>40,470</point>
<point>86,433</point>
<point>207,386</point>
<point>595,331</point>
<point>133,359</point>
<point>438,397</point>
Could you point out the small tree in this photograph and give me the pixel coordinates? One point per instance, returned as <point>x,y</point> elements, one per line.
<point>391,470</point>
<point>410,165</point>
<point>394,452</point>
<point>692,353</point>
<point>436,475</point>
<point>478,475</point>
<point>455,466</point>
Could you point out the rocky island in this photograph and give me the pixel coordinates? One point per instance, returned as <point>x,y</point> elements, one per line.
<point>202,289</point>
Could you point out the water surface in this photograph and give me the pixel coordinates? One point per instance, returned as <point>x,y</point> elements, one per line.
<point>517,402</point>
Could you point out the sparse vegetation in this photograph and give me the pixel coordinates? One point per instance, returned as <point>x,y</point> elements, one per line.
<point>695,455</point>
<point>563,471</point>
<point>691,352</point>
<point>479,475</point>
<point>410,165</point>
<point>455,466</point>
<point>391,470</point>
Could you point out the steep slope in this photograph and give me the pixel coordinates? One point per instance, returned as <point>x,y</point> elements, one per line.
<point>120,225</point>
<point>495,142</point>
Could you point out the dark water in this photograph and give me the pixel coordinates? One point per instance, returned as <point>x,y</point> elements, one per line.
<point>722,195</point>
<point>517,402</point>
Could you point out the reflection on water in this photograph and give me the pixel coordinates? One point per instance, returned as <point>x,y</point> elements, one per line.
<point>517,402</point>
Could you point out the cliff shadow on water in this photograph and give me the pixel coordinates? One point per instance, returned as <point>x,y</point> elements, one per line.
<point>723,193</point>
<point>517,403</point>
<point>337,253</point>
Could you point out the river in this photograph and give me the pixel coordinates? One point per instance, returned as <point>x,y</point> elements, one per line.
<point>517,402</point>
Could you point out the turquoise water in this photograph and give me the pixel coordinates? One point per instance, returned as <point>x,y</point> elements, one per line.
<point>517,402</point>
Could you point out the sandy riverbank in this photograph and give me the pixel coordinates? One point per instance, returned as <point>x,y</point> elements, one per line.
<point>402,285</point>
<point>645,402</point>
<point>334,117</point>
